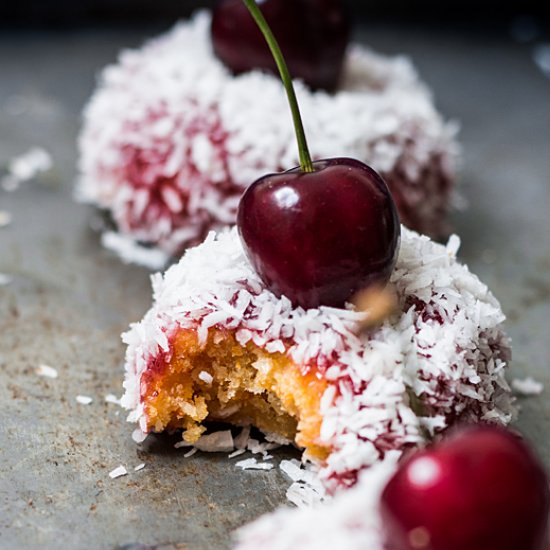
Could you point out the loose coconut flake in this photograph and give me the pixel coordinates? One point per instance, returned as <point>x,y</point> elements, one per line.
<point>206,377</point>
<point>527,386</point>
<point>25,167</point>
<point>118,472</point>
<point>131,252</point>
<point>111,398</point>
<point>5,218</point>
<point>46,371</point>
<point>253,464</point>
<point>84,399</point>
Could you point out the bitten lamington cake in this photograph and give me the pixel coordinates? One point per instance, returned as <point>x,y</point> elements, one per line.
<point>171,138</point>
<point>218,345</point>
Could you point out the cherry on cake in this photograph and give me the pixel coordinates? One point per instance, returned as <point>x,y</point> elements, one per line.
<point>173,136</point>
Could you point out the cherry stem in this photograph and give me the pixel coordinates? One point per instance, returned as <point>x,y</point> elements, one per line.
<point>305,158</point>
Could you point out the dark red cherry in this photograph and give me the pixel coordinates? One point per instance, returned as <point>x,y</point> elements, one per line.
<point>313,35</point>
<point>480,489</point>
<point>318,237</point>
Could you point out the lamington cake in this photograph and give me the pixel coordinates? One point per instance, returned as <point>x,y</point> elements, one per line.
<point>218,345</point>
<point>171,138</point>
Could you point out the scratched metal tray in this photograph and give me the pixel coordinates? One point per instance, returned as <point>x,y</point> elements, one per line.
<point>69,299</point>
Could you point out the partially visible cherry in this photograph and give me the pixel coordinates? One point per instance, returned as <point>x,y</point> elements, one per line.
<point>313,35</point>
<point>318,237</point>
<point>481,489</point>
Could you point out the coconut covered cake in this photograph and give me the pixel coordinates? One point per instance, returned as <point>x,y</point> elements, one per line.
<point>351,520</point>
<point>218,345</point>
<point>171,138</point>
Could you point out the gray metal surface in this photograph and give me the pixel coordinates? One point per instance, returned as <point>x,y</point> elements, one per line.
<point>70,299</point>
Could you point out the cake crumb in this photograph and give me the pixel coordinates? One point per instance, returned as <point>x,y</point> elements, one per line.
<point>527,386</point>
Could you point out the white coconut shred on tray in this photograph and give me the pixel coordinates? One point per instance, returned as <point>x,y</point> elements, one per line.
<point>5,218</point>
<point>25,167</point>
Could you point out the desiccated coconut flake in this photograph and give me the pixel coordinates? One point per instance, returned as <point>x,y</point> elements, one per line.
<point>190,453</point>
<point>238,452</point>
<point>111,398</point>
<point>28,165</point>
<point>253,464</point>
<point>277,439</point>
<point>241,441</point>
<point>138,436</point>
<point>217,442</point>
<point>306,489</point>
<point>118,472</point>
<point>84,399</point>
<point>258,447</point>
<point>131,252</point>
<point>206,377</point>
<point>5,218</point>
<point>5,280</point>
<point>139,467</point>
<point>303,495</point>
<point>527,386</point>
<point>46,371</point>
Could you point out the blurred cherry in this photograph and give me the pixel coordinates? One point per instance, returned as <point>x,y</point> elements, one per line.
<point>313,36</point>
<point>480,489</point>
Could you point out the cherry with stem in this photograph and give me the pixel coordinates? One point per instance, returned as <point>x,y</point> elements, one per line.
<point>322,231</point>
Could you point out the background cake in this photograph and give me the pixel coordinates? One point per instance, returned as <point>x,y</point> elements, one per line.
<point>171,137</point>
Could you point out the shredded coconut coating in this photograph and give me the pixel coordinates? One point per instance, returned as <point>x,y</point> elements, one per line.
<point>171,139</point>
<point>442,357</point>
